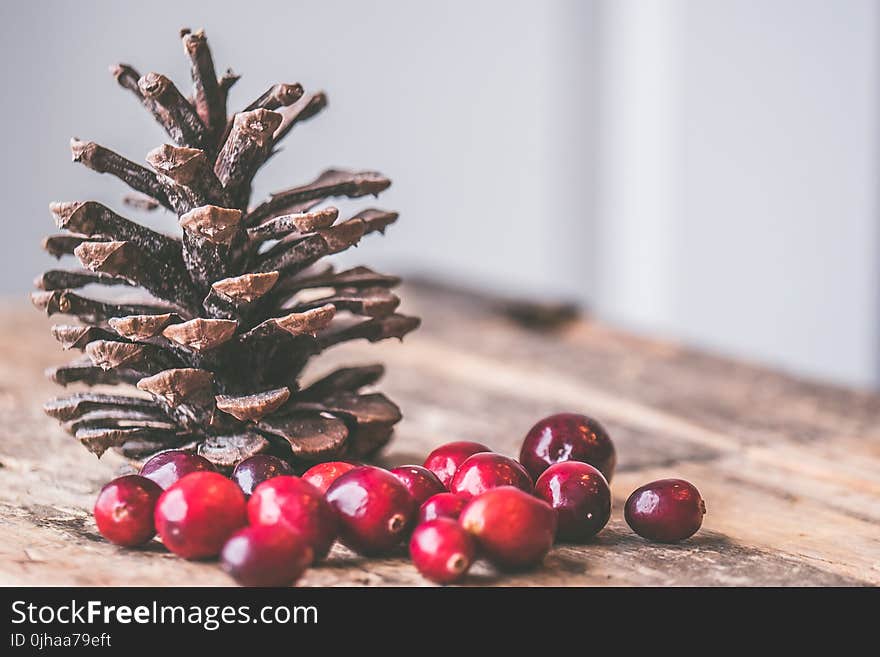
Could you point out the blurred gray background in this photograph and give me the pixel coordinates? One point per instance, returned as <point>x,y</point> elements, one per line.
<point>704,170</point>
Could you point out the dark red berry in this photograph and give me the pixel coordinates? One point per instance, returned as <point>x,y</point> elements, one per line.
<point>667,510</point>
<point>442,505</point>
<point>420,482</point>
<point>322,475</point>
<point>513,529</point>
<point>581,497</point>
<point>375,509</point>
<point>481,472</point>
<point>196,515</point>
<point>296,503</point>
<point>444,460</point>
<point>253,471</point>
<point>167,467</point>
<point>124,510</point>
<point>442,550</point>
<point>568,437</point>
<point>266,555</point>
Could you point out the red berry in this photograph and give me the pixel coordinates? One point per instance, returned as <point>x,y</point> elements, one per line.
<point>442,550</point>
<point>581,497</point>
<point>420,482</point>
<point>481,472</point>
<point>324,474</point>
<point>266,555</point>
<point>296,503</point>
<point>442,505</point>
<point>167,467</point>
<point>124,510</point>
<point>667,510</point>
<point>444,460</point>
<point>515,530</point>
<point>253,471</point>
<point>374,508</point>
<point>196,516</point>
<point>568,437</point>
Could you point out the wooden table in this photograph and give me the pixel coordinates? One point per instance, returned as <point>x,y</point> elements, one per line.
<point>790,470</point>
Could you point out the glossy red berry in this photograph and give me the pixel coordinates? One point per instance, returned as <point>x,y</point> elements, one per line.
<point>253,471</point>
<point>322,475</point>
<point>168,467</point>
<point>481,472</point>
<point>124,510</point>
<point>442,550</point>
<point>581,497</point>
<point>266,555</point>
<point>420,482</point>
<point>297,504</point>
<point>444,460</point>
<point>568,437</point>
<point>513,529</point>
<point>196,515</point>
<point>374,508</point>
<point>667,510</point>
<point>442,505</point>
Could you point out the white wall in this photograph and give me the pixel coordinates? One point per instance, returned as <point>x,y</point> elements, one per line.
<point>639,140</point>
<point>741,207</point>
<point>701,169</point>
<point>479,112</point>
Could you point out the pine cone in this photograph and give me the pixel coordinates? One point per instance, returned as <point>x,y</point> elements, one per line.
<point>237,306</point>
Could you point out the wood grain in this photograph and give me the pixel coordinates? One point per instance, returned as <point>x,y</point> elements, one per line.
<point>790,470</point>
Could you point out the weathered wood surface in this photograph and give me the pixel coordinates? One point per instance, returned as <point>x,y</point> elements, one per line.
<point>790,470</point>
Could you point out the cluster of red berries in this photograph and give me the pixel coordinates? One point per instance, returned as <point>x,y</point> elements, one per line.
<point>268,526</point>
